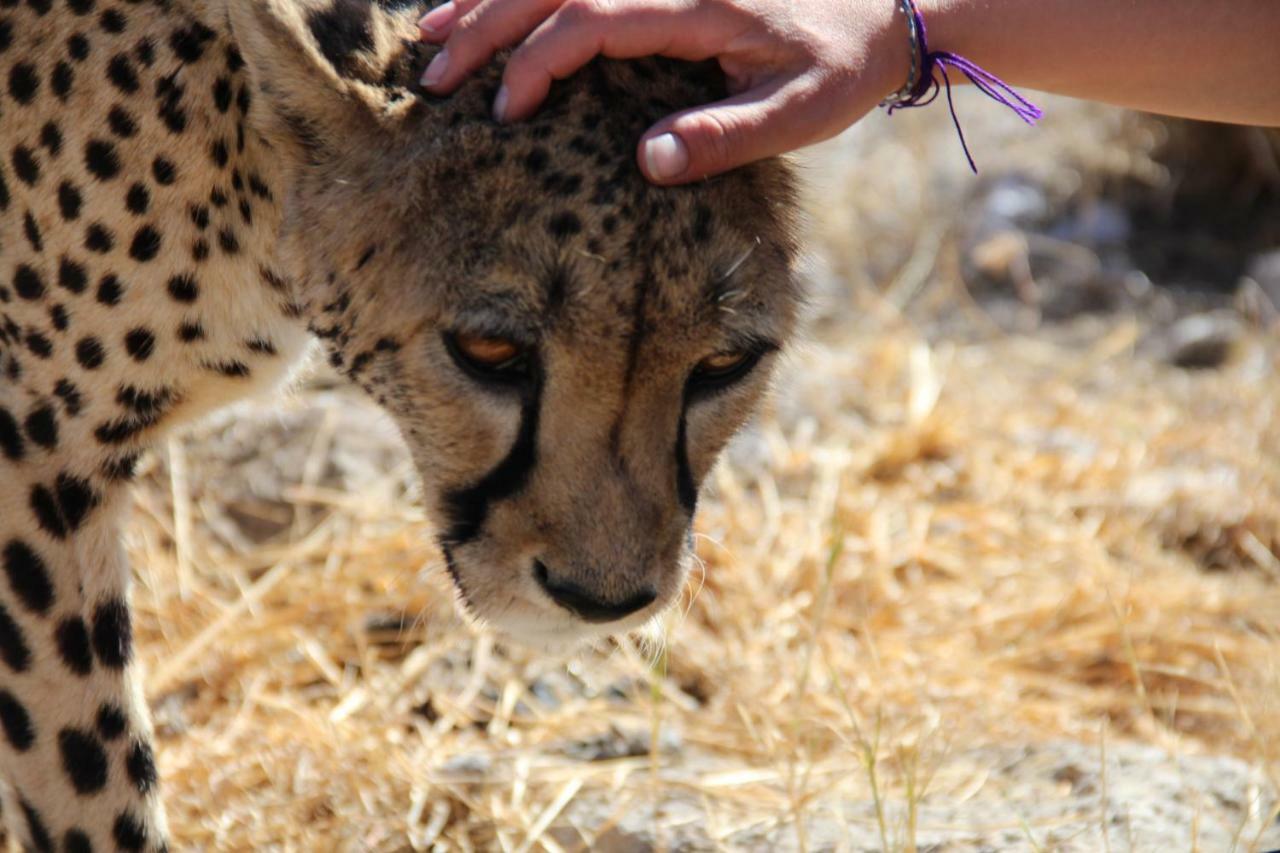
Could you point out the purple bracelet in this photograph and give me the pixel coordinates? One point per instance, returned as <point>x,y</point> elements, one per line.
<point>922,86</point>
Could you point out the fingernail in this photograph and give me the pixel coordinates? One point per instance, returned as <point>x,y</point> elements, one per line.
<point>666,156</point>
<point>435,71</point>
<point>500,103</point>
<point>438,19</point>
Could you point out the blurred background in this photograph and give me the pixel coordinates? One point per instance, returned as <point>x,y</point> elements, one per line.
<point>997,569</point>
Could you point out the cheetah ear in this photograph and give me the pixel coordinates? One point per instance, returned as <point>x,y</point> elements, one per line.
<point>302,101</point>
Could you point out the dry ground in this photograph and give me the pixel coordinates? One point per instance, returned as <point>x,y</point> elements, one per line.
<point>972,581</point>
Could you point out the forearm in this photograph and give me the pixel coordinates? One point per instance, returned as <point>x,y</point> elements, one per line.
<point>1210,59</point>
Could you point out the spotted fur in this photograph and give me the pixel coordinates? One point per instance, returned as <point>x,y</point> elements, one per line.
<point>191,191</point>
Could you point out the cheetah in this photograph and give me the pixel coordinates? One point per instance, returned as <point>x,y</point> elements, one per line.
<point>196,193</point>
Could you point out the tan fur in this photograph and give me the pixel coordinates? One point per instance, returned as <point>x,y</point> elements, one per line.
<point>346,201</point>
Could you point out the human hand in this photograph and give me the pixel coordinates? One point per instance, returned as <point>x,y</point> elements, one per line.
<point>799,71</point>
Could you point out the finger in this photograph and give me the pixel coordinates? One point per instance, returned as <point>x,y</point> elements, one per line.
<point>581,30</point>
<point>436,25</point>
<point>771,119</point>
<point>476,36</point>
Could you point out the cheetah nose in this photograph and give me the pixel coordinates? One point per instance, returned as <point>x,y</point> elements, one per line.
<point>585,604</point>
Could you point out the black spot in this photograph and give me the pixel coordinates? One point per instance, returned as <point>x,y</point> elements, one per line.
<point>112,634</point>
<point>564,224</point>
<point>188,42</point>
<point>120,467</point>
<point>4,192</point>
<point>89,353</point>
<point>246,211</point>
<point>25,165</point>
<point>110,290</point>
<point>261,346</point>
<point>72,276</point>
<point>199,216</point>
<point>98,238</point>
<point>72,636</point>
<point>121,123</point>
<point>32,232</point>
<point>111,721</point>
<point>138,200</point>
<point>6,34</point>
<point>40,7</point>
<point>366,256</point>
<point>227,240</point>
<point>172,114</point>
<point>146,244</point>
<point>38,344</point>
<point>83,759</point>
<point>41,427</point>
<point>189,332</point>
<point>702,224</point>
<point>59,318</point>
<point>184,288</point>
<point>78,47</point>
<point>164,171</point>
<point>51,138</point>
<point>200,251</point>
<point>112,21</point>
<point>229,369</point>
<point>219,153</point>
<point>536,160</point>
<point>16,722</point>
<point>222,94</point>
<point>122,75</point>
<point>69,201</point>
<point>63,77</point>
<point>28,576</point>
<point>129,832</point>
<point>40,839</point>
<point>145,51</point>
<point>101,159</point>
<point>149,404</point>
<point>141,766</point>
<point>11,442</point>
<point>13,645</point>
<point>24,82</point>
<point>76,841</point>
<point>258,188</point>
<point>140,343</point>
<point>70,396</point>
<point>27,282</point>
<point>218,198</point>
<point>342,30</point>
<point>76,499</point>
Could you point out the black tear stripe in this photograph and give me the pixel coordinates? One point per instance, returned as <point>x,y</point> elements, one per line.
<point>466,509</point>
<point>686,488</point>
<point>451,564</point>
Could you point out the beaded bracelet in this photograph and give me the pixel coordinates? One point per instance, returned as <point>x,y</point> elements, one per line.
<point>922,86</point>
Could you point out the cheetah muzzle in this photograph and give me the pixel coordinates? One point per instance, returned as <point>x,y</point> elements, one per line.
<point>192,192</point>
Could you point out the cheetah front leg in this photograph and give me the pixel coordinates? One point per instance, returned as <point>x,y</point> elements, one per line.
<point>75,757</point>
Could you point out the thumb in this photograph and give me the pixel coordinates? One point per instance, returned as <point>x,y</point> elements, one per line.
<point>770,119</point>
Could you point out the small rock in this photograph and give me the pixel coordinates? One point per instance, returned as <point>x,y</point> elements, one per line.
<point>619,743</point>
<point>467,764</point>
<point>1202,341</point>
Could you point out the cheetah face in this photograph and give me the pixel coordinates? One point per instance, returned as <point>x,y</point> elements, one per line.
<point>565,348</point>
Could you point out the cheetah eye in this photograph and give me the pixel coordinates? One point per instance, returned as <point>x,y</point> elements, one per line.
<point>489,359</point>
<point>722,369</point>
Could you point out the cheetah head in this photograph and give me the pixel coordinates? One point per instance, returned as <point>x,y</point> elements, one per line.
<point>566,349</point>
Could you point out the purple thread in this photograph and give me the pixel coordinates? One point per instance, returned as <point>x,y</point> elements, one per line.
<point>927,87</point>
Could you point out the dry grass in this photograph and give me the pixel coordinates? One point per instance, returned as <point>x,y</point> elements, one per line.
<point>927,547</point>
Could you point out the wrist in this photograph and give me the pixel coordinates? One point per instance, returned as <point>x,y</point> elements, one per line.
<point>897,54</point>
